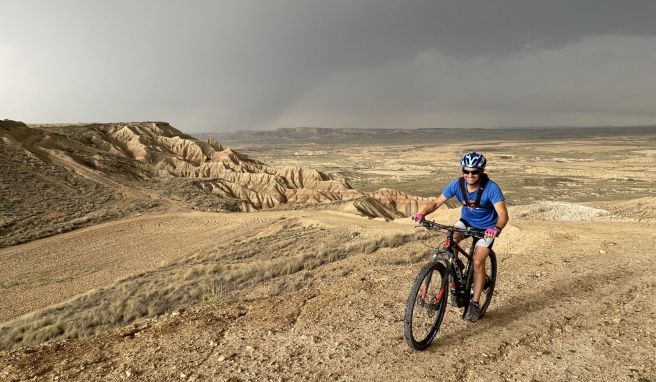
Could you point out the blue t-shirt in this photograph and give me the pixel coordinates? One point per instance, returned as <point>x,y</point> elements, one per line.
<point>483,217</point>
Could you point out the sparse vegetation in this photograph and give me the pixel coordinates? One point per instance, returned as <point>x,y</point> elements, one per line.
<point>47,199</point>
<point>207,278</point>
<point>212,293</point>
<point>4,223</point>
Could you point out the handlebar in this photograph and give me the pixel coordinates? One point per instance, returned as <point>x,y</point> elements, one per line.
<point>433,225</point>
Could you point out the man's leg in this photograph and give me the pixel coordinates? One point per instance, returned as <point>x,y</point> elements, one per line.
<point>459,236</point>
<point>481,252</point>
<point>480,256</point>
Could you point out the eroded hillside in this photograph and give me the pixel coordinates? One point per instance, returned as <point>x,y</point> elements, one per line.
<point>56,178</point>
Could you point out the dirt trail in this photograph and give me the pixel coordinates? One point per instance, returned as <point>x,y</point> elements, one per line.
<point>52,270</point>
<point>574,301</point>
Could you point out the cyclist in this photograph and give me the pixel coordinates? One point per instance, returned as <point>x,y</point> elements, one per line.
<point>484,207</point>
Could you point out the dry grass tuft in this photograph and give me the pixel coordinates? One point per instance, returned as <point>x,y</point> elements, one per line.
<point>212,293</point>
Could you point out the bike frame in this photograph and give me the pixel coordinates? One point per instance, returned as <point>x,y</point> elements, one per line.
<point>461,286</point>
<point>453,249</point>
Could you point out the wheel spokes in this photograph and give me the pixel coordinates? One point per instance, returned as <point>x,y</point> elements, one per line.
<point>430,298</point>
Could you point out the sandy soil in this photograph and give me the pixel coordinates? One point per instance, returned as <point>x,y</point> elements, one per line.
<point>573,302</point>
<point>46,272</point>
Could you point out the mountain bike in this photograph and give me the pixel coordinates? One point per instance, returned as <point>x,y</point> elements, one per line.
<point>445,274</point>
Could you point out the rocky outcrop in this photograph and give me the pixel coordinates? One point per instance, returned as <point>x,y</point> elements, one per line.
<point>371,207</point>
<point>14,130</point>
<point>399,201</point>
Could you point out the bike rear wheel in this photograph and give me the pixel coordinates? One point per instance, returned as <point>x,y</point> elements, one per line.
<point>426,305</point>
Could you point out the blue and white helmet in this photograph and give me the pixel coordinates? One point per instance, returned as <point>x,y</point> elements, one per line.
<point>473,159</point>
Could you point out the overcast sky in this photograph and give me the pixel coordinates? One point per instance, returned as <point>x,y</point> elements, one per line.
<point>226,65</point>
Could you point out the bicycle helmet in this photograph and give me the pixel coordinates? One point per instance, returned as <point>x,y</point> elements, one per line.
<point>473,159</point>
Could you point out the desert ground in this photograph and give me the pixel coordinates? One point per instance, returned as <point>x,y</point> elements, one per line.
<point>135,252</point>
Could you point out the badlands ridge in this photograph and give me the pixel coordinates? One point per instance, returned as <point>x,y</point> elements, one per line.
<point>89,173</point>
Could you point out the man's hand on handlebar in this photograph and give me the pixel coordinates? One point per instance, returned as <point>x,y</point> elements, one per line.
<point>418,217</point>
<point>492,232</point>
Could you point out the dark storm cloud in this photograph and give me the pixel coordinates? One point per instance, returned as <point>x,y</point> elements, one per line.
<point>259,64</point>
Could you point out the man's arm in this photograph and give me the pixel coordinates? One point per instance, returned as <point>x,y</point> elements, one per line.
<point>500,207</point>
<point>433,205</point>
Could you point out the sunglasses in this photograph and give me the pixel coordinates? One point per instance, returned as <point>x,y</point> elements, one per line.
<point>474,172</point>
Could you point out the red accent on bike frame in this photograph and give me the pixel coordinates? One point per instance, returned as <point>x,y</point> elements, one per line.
<point>447,243</point>
<point>439,296</point>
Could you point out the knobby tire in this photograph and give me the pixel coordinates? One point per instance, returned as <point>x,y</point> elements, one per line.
<point>435,267</point>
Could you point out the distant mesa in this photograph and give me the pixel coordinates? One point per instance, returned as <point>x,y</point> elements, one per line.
<point>317,135</point>
<point>76,170</point>
<point>322,134</point>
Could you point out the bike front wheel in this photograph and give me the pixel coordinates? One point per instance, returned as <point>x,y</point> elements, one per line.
<point>426,305</point>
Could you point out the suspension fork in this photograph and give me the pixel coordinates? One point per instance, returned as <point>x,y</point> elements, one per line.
<point>449,268</point>
<point>424,286</point>
<point>440,296</point>
<point>445,282</point>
